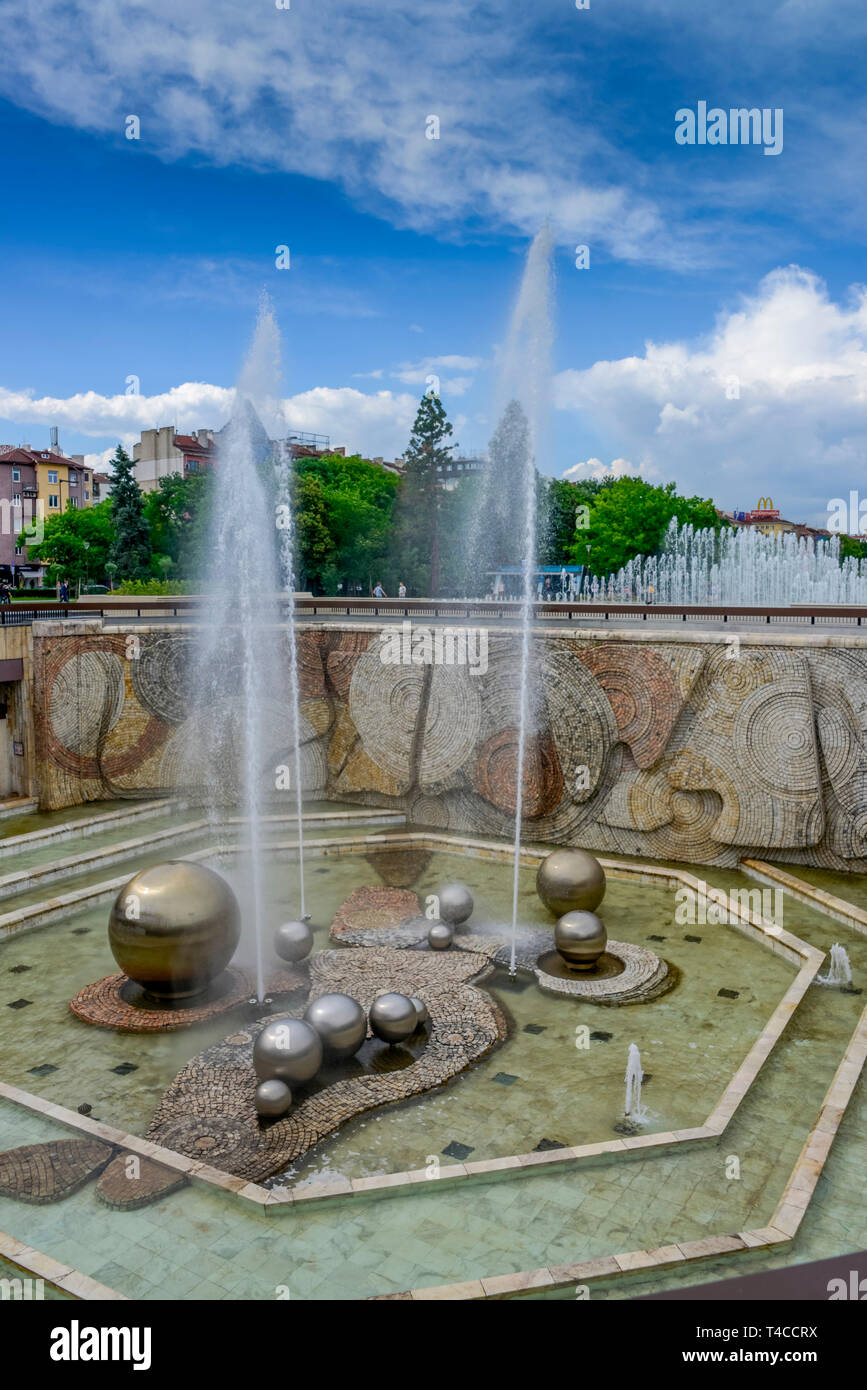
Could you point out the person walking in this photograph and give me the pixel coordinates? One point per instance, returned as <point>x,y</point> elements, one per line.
<point>379,592</point>
<point>401,590</point>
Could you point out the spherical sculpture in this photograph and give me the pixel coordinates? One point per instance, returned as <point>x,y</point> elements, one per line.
<point>293,941</point>
<point>439,936</point>
<point>580,938</point>
<point>340,1022</point>
<point>393,1017</point>
<point>174,928</point>
<point>456,903</point>
<point>420,1009</point>
<point>287,1049</point>
<point>272,1098</point>
<point>570,880</point>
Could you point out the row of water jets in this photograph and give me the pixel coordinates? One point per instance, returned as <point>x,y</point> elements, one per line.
<point>736,566</point>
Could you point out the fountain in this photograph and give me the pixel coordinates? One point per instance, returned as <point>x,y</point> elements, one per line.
<point>236,667</point>
<point>633,1109</point>
<point>737,566</point>
<point>840,970</point>
<point>525,374</point>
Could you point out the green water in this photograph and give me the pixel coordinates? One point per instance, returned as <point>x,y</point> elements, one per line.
<point>202,1243</point>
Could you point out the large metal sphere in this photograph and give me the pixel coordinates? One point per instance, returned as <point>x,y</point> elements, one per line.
<point>287,1049</point>
<point>393,1017</point>
<point>570,880</point>
<point>439,936</point>
<point>456,903</point>
<point>580,938</point>
<point>420,1008</point>
<point>174,928</point>
<point>293,941</point>
<point>273,1097</point>
<point>340,1022</point>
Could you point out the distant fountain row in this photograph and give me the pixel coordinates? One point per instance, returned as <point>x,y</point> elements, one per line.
<point>735,566</point>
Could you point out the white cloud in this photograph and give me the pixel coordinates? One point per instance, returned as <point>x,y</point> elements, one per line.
<point>250,85</point>
<point>377,424</point>
<point>772,402</point>
<point>594,468</point>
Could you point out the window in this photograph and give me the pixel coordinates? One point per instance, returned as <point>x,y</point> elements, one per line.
<point>191,465</point>
<point>73,480</point>
<point>73,501</point>
<point>87,494</point>
<point>16,499</point>
<point>53,500</point>
<point>52,475</point>
<point>87,477</point>
<point>19,550</point>
<point>16,475</point>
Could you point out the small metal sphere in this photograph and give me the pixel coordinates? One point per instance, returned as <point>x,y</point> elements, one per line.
<point>570,880</point>
<point>289,1050</point>
<point>420,1008</point>
<point>340,1022</point>
<point>393,1017</point>
<point>174,928</point>
<point>456,903</point>
<point>293,941</point>
<point>580,938</point>
<point>439,936</point>
<point>273,1097</point>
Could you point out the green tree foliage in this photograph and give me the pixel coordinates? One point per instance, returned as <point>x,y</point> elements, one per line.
<point>418,523</point>
<point>177,514</point>
<point>343,516</point>
<point>76,544</point>
<point>630,517</point>
<point>131,547</point>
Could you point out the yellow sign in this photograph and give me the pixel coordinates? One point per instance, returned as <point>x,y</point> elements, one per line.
<point>765,504</point>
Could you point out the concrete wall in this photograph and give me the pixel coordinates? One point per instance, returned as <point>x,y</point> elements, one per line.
<point>17,768</point>
<point>682,747</point>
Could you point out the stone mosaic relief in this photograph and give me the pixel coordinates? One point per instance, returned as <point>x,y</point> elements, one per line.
<point>670,749</point>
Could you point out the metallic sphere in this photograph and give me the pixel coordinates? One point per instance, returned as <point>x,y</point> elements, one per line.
<point>456,903</point>
<point>174,928</point>
<point>580,938</point>
<point>420,1008</point>
<point>287,1049</point>
<point>393,1017</point>
<point>439,936</point>
<point>293,941</point>
<point>273,1098</point>
<point>570,880</point>
<point>340,1022</point>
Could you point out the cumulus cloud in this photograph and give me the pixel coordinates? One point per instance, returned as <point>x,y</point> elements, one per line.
<point>772,402</point>
<point>377,424</point>
<point>594,468</point>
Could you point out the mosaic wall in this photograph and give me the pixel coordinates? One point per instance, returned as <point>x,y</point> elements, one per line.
<point>677,749</point>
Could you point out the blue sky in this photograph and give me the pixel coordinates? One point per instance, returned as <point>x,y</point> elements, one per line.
<point>306,127</point>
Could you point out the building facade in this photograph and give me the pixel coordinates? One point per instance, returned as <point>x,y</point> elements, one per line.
<point>35,485</point>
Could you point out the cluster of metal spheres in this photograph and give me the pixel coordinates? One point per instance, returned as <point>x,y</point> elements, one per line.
<point>571,884</point>
<point>455,907</point>
<point>290,1051</point>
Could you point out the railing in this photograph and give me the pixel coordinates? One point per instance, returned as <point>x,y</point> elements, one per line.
<point>17,614</point>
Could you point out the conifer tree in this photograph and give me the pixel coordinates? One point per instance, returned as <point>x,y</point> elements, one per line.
<point>131,547</point>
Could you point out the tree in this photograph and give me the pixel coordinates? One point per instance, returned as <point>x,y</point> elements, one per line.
<point>76,543</point>
<point>630,517</point>
<point>418,521</point>
<point>177,515</point>
<point>343,515</point>
<point>131,547</point>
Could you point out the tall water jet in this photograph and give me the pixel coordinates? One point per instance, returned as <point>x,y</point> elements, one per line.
<point>245,732</point>
<point>524,377</point>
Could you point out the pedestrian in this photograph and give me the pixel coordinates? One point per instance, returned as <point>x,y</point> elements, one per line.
<point>379,592</point>
<point>401,590</point>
